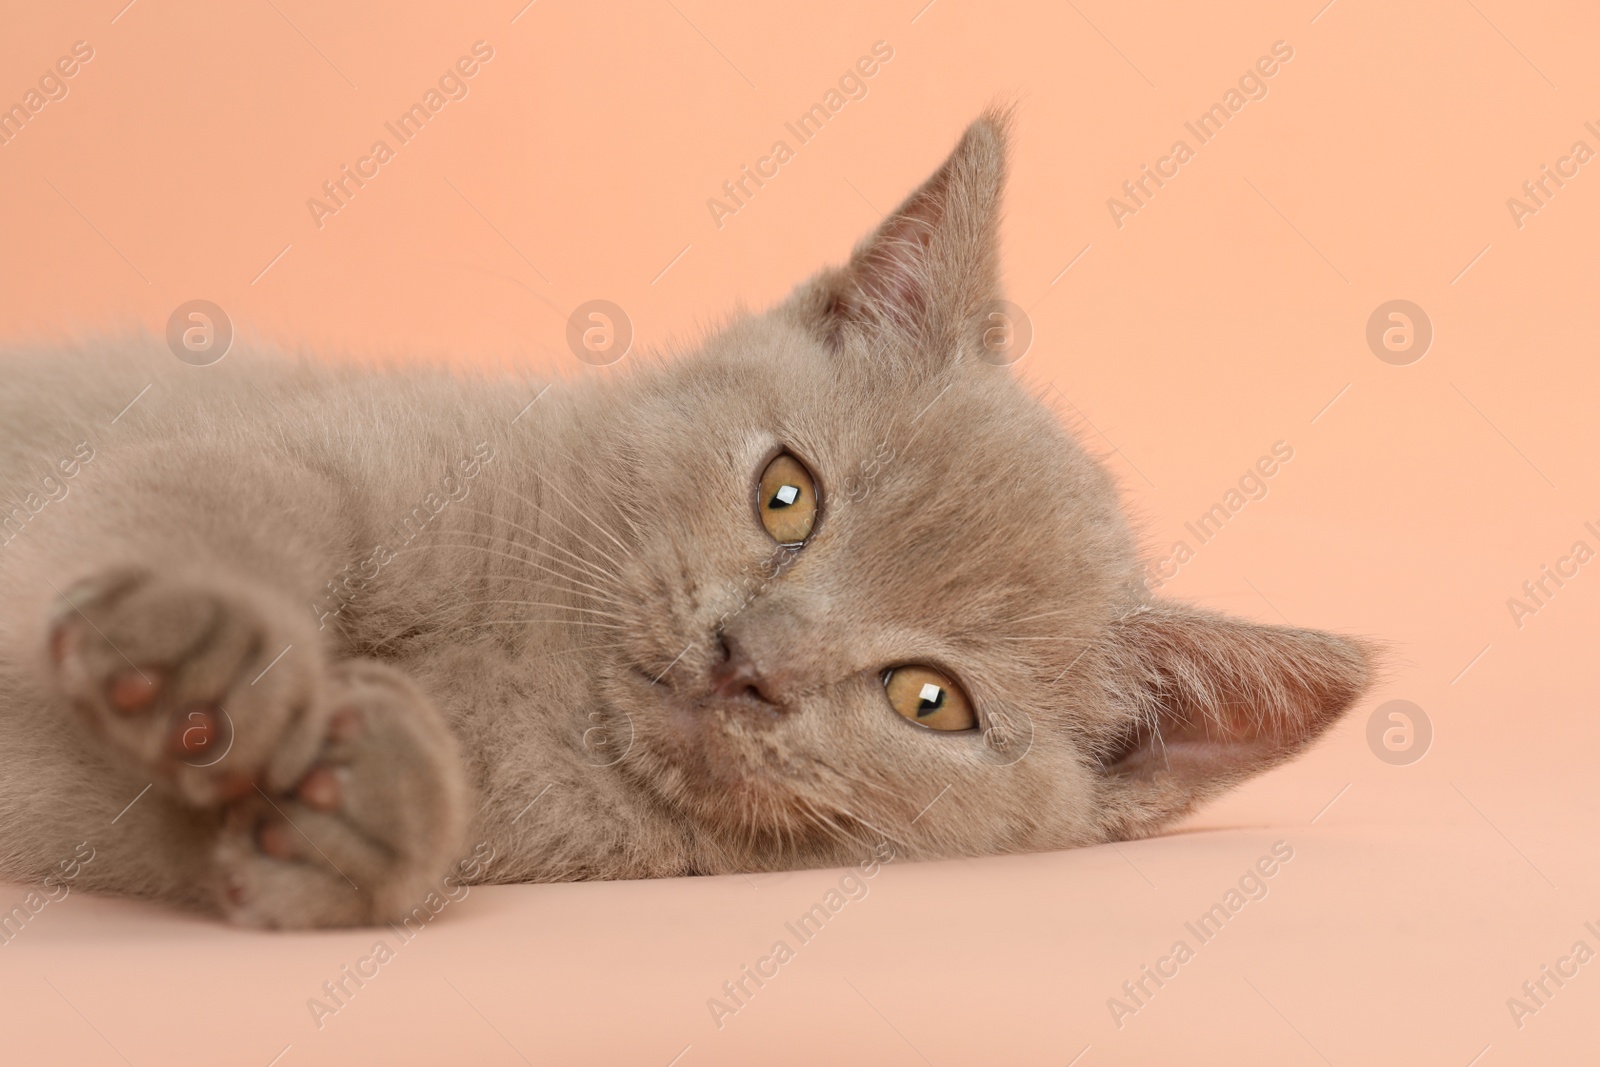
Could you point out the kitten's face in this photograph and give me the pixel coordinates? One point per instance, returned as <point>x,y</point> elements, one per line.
<point>867,572</point>
<point>958,536</point>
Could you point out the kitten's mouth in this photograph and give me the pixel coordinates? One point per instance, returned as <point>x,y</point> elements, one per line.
<point>719,742</point>
<point>717,757</point>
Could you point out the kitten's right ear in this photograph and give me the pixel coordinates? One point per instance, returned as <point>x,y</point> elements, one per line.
<point>925,279</point>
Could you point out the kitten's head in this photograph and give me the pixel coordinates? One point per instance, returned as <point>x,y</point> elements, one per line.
<point>869,588</point>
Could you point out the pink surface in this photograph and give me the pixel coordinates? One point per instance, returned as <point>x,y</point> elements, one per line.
<point>1228,313</point>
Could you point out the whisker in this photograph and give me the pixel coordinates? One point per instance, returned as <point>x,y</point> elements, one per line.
<point>1047,614</point>
<point>557,489</point>
<point>519,559</point>
<point>594,571</point>
<point>553,518</point>
<point>576,648</point>
<point>538,604</point>
<point>536,552</point>
<point>829,826</point>
<point>530,619</point>
<point>466,626</point>
<point>450,609</point>
<point>613,601</point>
<point>1051,637</point>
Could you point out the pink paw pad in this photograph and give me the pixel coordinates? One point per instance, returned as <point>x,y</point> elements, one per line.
<point>320,789</point>
<point>237,889</point>
<point>346,724</point>
<point>194,731</point>
<point>63,642</point>
<point>276,839</point>
<point>132,690</point>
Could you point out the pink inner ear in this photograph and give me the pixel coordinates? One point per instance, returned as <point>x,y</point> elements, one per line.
<point>1190,759</point>
<point>923,275</point>
<point>1223,698</point>
<point>892,275</point>
<point>1201,744</point>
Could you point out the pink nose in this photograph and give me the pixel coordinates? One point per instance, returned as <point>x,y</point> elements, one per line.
<point>736,675</point>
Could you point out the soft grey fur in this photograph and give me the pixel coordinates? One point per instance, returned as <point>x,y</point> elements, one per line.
<point>532,671</point>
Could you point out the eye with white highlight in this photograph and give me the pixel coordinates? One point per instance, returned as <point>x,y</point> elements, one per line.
<point>928,698</point>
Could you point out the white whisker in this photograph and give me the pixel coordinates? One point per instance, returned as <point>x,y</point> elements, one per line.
<point>594,571</point>
<point>580,538</point>
<point>586,515</point>
<point>539,604</point>
<point>520,559</point>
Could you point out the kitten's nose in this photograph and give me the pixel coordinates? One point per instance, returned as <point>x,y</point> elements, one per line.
<point>736,674</point>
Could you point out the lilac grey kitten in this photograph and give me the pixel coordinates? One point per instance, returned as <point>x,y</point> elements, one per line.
<point>287,642</point>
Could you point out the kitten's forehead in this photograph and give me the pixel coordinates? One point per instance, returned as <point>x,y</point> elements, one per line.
<point>970,481</point>
<point>953,501</point>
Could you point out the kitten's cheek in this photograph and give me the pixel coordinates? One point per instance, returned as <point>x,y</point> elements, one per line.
<point>687,725</point>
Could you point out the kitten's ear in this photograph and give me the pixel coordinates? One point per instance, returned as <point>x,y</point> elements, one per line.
<point>929,273</point>
<point>1217,700</point>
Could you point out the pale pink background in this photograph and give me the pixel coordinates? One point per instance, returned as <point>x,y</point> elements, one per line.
<point>1224,316</point>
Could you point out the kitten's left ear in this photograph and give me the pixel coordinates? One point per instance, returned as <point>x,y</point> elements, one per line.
<point>1213,701</point>
<point>929,273</point>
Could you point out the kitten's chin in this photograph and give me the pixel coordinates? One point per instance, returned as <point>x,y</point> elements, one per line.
<point>705,753</point>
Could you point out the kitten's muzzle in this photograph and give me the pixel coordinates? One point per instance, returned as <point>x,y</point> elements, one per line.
<point>736,674</point>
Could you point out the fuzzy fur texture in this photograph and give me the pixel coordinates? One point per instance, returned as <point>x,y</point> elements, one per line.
<point>502,628</point>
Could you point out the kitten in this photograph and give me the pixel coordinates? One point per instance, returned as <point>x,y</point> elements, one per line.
<point>284,642</point>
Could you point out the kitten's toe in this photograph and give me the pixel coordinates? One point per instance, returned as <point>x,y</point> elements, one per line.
<point>200,682</point>
<point>339,791</point>
<point>366,832</point>
<point>132,690</point>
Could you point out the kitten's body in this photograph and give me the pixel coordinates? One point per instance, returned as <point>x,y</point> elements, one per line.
<point>564,582</point>
<point>315,469</point>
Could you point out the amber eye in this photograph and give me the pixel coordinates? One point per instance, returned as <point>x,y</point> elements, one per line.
<point>929,699</point>
<point>787,498</point>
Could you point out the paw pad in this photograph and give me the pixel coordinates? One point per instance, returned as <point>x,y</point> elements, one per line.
<point>237,889</point>
<point>347,724</point>
<point>133,690</point>
<point>276,839</point>
<point>195,730</point>
<point>320,789</point>
<point>63,643</point>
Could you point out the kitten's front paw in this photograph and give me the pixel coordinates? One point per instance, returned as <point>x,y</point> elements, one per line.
<point>339,791</point>
<point>364,834</point>
<point>209,688</point>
